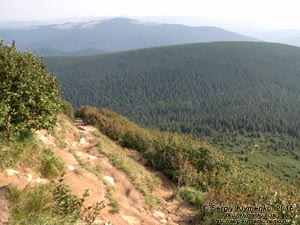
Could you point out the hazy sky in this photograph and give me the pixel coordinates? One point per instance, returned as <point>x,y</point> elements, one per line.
<point>253,13</point>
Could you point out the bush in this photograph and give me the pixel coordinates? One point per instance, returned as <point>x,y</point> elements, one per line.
<point>29,94</point>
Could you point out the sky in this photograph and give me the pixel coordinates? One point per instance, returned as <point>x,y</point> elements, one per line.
<point>247,14</point>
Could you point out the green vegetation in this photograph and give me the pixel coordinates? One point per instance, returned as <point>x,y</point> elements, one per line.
<point>29,95</point>
<point>191,195</point>
<point>71,207</point>
<point>233,95</point>
<point>50,204</point>
<point>193,164</point>
<point>42,160</point>
<point>68,110</point>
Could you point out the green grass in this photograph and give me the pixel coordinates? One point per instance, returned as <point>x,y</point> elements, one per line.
<point>33,206</point>
<point>64,126</point>
<point>277,154</point>
<point>283,167</point>
<point>115,208</point>
<point>31,153</point>
<point>191,195</point>
<point>50,204</point>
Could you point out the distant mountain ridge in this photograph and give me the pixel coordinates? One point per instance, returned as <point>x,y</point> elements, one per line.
<point>118,34</point>
<point>52,52</point>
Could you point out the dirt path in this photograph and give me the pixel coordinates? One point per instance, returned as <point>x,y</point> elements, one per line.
<point>82,157</point>
<point>131,201</point>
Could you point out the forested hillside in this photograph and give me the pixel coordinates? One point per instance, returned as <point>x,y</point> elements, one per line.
<point>242,97</point>
<point>221,86</point>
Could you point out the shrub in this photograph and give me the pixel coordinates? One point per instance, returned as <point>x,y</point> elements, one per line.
<point>29,94</point>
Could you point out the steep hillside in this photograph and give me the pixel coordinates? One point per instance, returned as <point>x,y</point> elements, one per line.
<point>125,181</point>
<point>130,192</point>
<point>233,86</point>
<point>205,177</point>
<point>226,86</point>
<point>117,34</point>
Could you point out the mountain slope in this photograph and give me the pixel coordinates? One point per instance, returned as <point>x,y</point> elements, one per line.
<point>117,34</point>
<point>224,86</point>
<point>87,166</point>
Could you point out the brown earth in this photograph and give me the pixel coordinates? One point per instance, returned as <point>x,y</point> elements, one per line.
<point>133,209</point>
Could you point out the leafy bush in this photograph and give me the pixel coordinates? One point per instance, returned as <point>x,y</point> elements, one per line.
<point>29,94</point>
<point>71,207</point>
<point>51,203</point>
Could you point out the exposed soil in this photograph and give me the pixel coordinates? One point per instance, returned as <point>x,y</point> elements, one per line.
<point>4,203</point>
<point>133,209</point>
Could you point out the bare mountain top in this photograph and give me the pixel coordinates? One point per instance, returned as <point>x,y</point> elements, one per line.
<point>117,34</point>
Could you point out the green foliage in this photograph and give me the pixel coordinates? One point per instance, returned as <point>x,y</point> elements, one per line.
<point>68,110</point>
<point>191,195</point>
<point>233,95</point>
<point>52,166</point>
<point>198,168</point>
<point>68,205</point>
<point>200,88</point>
<point>29,95</point>
<point>32,206</point>
<point>50,204</point>
<point>31,153</point>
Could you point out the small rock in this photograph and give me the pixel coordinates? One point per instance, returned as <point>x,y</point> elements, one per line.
<point>142,210</point>
<point>98,222</point>
<point>74,144</point>
<point>41,181</point>
<point>131,220</point>
<point>159,214</point>
<point>46,140</point>
<point>71,168</point>
<point>91,157</point>
<point>109,180</point>
<point>11,172</point>
<point>82,141</point>
<point>29,177</point>
<point>108,223</point>
<point>164,221</point>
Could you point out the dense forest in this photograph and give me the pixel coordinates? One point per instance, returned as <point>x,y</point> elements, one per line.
<point>199,87</point>
<point>236,95</point>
